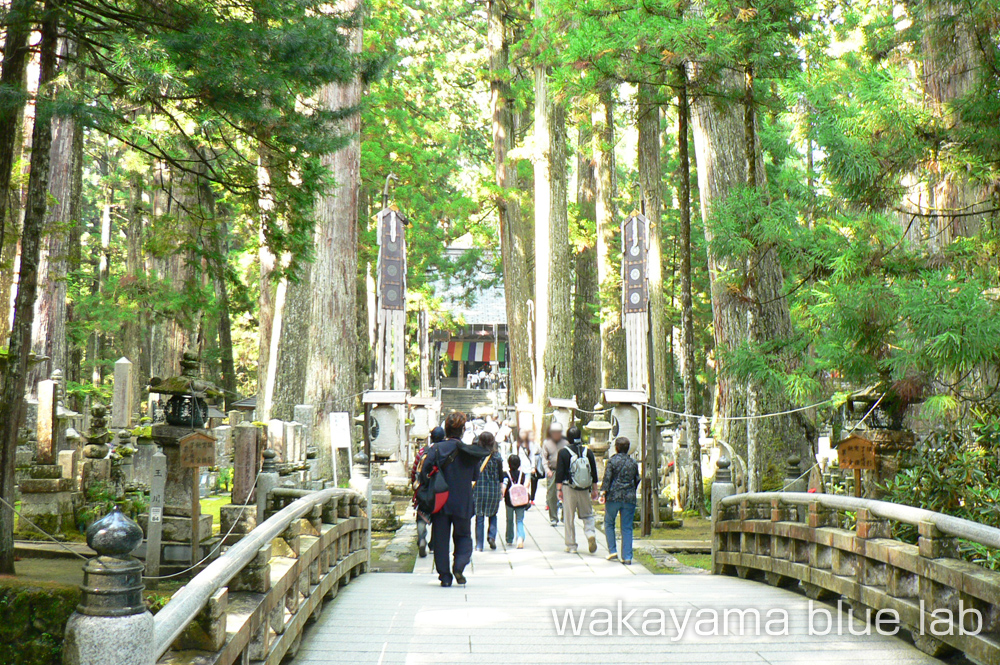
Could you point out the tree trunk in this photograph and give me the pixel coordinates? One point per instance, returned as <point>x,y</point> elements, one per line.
<point>586,303</point>
<point>696,498</point>
<point>16,50</point>
<point>515,231</point>
<point>331,379</point>
<point>75,256</point>
<point>740,316</point>
<point>292,320</point>
<point>134,273</point>
<point>16,374</point>
<point>268,287</point>
<point>952,62</point>
<point>651,186</point>
<point>613,373</point>
<point>49,334</point>
<point>553,326</point>
<point>228,365</point>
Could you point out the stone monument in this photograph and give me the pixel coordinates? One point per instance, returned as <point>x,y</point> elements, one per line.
<point>46,496</point>
<point>186,412</point>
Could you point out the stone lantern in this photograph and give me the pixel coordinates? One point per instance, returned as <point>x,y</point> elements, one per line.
<point>600,433</point>
<point>187,406</point>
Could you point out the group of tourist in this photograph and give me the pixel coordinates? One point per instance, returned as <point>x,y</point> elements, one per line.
<point>475,478</point>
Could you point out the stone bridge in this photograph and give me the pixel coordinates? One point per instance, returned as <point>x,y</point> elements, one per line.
<point>797,575</point>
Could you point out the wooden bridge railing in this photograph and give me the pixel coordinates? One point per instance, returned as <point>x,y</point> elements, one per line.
<point>836,546</point>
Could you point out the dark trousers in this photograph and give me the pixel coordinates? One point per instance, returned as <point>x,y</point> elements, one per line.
<point>458,529</point>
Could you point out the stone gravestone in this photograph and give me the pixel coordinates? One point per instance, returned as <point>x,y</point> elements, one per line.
<point>46,496</point>
<point>45,422</point>
<point>241,515</point>
<point>224,449</point>
<point>276,438</point>
<point>121,401</point>
<point>96,467</point>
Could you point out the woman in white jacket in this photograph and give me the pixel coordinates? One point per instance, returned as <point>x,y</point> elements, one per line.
<point>531,462</point>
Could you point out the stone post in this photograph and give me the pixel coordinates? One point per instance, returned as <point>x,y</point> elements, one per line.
<point>794,480</point>
<point>723,484</point>
<point>111,623</point>
<point>722,487</point>
<point>121,400</point>
<point>266,482</point>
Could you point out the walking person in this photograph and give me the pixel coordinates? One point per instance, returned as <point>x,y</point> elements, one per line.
<point>459,465</point>
<point>576,483</point>
<point>553,444</point>
<point>530,460</point>
<point>487,492</point>
<point>423,519</point>
<point>618,494</point>
<point>516,499</point>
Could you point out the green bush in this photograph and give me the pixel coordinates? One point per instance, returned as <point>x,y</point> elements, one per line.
<point>950,474</point>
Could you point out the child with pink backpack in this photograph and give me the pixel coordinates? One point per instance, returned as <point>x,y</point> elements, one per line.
<point>516,498</point>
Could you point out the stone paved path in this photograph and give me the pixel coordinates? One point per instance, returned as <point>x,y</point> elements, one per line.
<point>505,615</point>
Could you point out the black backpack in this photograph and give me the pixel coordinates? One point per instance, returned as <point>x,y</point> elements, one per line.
<point>432,493</point>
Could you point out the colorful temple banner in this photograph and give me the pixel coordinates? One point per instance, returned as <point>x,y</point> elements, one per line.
<point>478,351</point>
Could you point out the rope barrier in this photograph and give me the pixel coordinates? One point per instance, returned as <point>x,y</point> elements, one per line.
<point>214,549</point>
<point>735,418</point>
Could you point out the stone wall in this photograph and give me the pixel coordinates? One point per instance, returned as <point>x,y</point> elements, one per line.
<point>33,619</point>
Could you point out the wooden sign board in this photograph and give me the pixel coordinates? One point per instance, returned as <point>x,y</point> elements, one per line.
<point>197,450</point>
<point>856,452</point>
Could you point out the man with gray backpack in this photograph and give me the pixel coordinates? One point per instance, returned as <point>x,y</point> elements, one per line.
<point>576,482</point>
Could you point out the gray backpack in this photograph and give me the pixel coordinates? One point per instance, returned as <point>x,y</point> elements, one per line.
<point>580,476</point>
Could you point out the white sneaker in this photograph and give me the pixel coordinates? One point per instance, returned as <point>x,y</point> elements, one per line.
<point>571,550</point>
<point>520,543</point>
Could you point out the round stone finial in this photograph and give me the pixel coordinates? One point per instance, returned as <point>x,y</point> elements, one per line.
<point>722,473</point>
<point>723,462</point>
<point>269,465</point>
<point>114,535</point>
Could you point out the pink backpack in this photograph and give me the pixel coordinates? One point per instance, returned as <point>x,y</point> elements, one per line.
<point>517,492</point>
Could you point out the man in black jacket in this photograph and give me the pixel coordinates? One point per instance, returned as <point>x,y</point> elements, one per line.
<point>460,465</point>
<point>577,487</point>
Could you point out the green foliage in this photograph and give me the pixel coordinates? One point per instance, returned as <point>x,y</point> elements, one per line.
<point>949,474</point>
<point>33,618</point>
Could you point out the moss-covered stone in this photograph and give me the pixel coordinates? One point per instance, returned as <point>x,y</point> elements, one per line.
<point>33,618</point>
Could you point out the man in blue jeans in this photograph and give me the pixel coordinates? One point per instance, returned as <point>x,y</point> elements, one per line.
<point>621,478</point>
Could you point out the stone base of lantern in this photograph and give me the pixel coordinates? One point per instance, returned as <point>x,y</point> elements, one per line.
<point>48,500</point>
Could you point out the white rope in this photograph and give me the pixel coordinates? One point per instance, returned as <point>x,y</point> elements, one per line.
<point>44,532</point>
<point>733,418</point>
<point>214,549</point>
